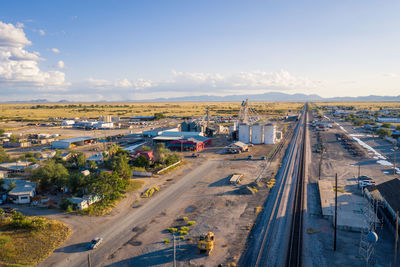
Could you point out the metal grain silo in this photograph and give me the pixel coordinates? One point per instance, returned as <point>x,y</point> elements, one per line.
<point>244,133</point>
<point>269,134</point>
<point>257,134</point>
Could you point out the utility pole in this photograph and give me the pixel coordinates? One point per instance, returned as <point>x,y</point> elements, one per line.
<point>174,251</point>
<point>89,260</point>
<point>394,165</point>
<point>396,238</point>
<point>359,170</point>
<point>320,165</point>
<point>336,188</point>
<point>181,143</point>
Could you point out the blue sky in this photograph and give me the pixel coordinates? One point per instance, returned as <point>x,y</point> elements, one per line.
<point>121,50</point>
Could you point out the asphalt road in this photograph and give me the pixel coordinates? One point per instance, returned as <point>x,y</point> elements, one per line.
<point>119,231</point>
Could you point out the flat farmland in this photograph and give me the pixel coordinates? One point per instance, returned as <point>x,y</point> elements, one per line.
<point>42,112</point>
<point>363,105</point>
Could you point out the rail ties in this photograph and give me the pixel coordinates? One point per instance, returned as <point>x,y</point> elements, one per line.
<point>296,233</point>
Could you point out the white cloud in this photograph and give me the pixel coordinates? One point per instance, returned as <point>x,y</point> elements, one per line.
<point>391,75</point>
<point>20,67</point>
<point>235,82</point>
<point>11,36</point>
<point>19,25</point>
<point>99,83</point>
<point>124,83</point>
<point>139,84</point>
<point>197,83</point>
<point>60,64</point>
<point>55,50</point>
<point>42,32</point>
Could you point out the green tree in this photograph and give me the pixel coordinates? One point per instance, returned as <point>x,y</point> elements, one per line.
<point>159,116</point>
<point>145,148</point>
<point>141,161</point>
<point>13,139</point>
<point>92,165</point>
<point>398,128</point>
<point>4,157</point>
<point>107,186</point>
<point>77,183</point>
<point>51,174</point>
<point>120,165</point>
<point>2,131</point>
<point>172,158</point>
<point>160,153</point>
<point>386,125</point>
<point>382,132</point>
<point>77,160</point>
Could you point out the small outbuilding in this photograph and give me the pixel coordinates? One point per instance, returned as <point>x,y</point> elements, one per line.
<point>237,147</point>
<point>68,143</point>
<point>22,194</point>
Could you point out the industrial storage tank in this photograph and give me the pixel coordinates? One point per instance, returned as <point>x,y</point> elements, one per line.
<point>244,133</point>
<point>269,134</point>
<point>257,134</point>
<point>232,128</point>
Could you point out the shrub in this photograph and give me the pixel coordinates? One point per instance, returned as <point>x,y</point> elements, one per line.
<point>172,230</point>
<point>190,223</point>
<point>166,241</point>
<point>181,237</point>
<point>185,218</point>
<point>181,232</point>
<point>185,228</point>
<point>66,204</point>
<point>4,239</point>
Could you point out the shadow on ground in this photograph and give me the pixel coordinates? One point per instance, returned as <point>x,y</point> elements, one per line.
<point>222,182</point>
<point>75,248</point>
<point>162,256</point>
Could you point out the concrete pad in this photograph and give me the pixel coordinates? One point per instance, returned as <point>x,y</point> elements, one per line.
<point>350,207</point>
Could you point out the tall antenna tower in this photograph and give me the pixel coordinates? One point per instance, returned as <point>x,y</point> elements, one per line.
<point>367,248</point>
<point>208,115</point>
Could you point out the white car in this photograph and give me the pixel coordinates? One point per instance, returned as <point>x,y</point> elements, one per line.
<point>95,242</point>
<point>365,183</point>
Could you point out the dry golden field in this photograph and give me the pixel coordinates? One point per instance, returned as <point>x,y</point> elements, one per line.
<point>33,111</point>
<point>363,105</point>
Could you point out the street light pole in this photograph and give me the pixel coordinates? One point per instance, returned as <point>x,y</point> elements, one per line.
<point>394,160</point>
<point>320,165</point>
<point>181,143</point>
<point>174,250</point>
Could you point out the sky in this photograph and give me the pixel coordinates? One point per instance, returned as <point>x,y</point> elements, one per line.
<point>129,50</point>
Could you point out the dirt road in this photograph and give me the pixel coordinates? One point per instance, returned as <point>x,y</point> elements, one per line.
<point>119,231</point>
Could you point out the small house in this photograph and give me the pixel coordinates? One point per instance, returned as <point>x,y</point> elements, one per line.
<point>22,194</point>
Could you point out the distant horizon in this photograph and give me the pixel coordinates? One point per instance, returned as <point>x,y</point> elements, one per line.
<point>187,99</point>
<point>143,50</point>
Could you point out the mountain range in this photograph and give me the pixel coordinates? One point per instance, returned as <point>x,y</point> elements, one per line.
<point>270,96</point>
<point>275,96</point>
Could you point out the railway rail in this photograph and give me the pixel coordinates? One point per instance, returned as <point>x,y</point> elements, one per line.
<point>277,235</point>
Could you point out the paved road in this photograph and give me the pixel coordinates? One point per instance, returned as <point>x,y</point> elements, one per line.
<point>119,231</point>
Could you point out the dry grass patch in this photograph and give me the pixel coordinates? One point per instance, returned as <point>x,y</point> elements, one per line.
<point>27,247</point>
<point>134,185</point>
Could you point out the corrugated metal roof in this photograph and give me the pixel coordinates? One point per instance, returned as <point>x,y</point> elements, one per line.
<point>390,191</point>
<point>76,139</point>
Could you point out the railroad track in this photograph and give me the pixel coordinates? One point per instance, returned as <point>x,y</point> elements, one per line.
<point>296,233</point>
<point>278,239</point>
